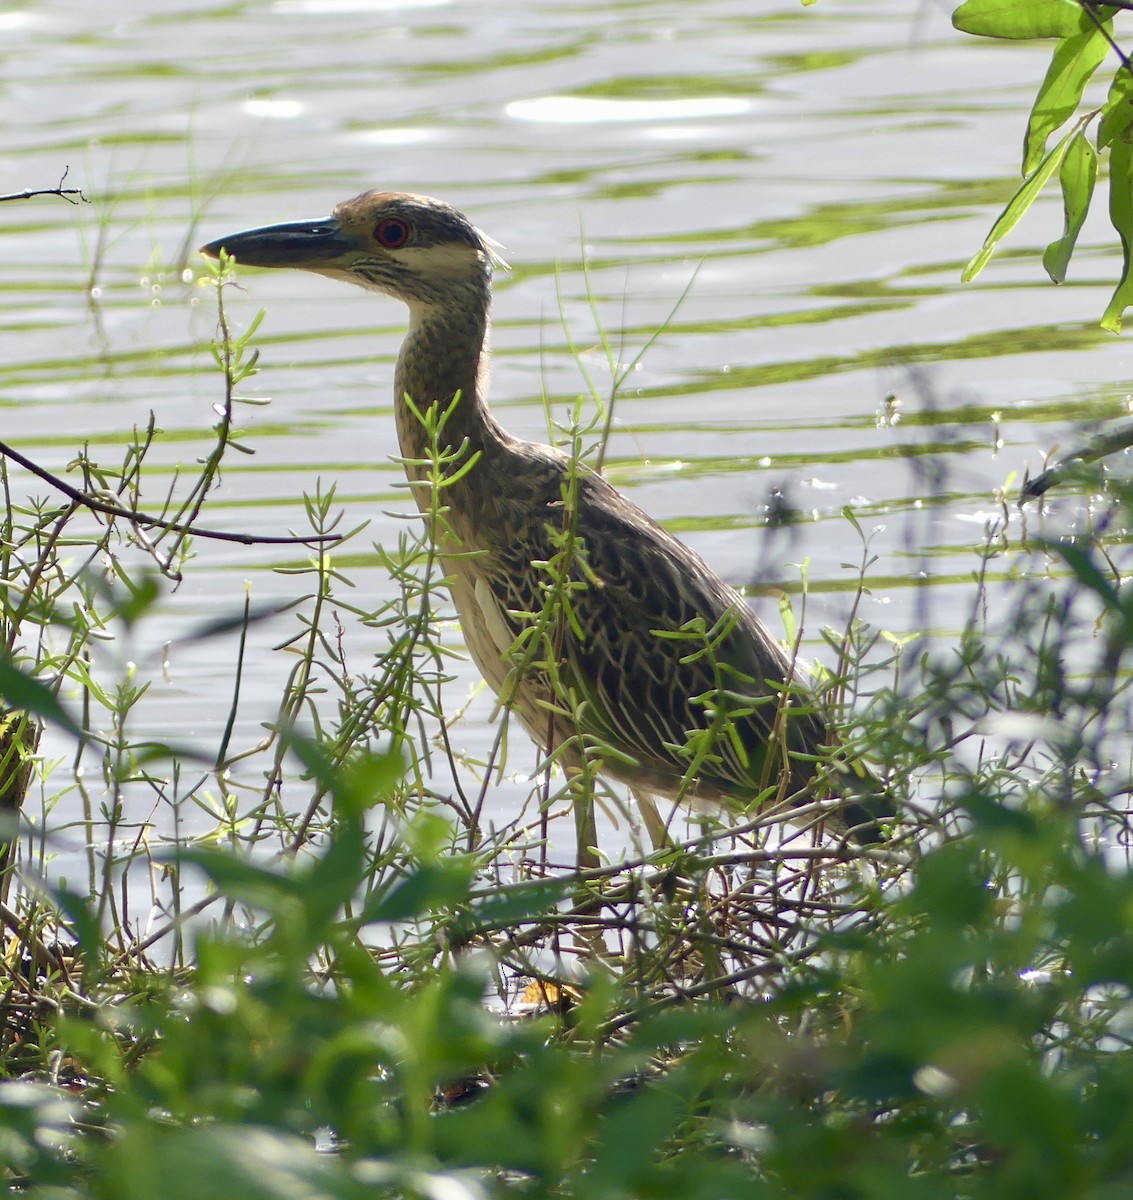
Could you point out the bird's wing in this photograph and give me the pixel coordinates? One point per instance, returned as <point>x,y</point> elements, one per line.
<point>666,663</point>
<point>677,667</point>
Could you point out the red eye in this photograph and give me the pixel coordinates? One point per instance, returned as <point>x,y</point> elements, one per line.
<point>392,233</point>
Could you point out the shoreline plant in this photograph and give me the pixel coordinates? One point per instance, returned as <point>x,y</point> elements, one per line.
<point>381,993</point>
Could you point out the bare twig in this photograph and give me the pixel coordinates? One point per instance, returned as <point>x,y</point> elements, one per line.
<point>58,190</point>
<point>1090,8</point>
<point>20,927</point>
<point>136,518</point>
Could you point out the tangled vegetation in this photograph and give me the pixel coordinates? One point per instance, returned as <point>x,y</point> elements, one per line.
<point>352,984</point>
<point>348,982</point>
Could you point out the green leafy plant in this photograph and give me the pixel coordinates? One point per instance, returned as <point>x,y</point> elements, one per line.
<point>355,984</point>
<point>1083,33</point>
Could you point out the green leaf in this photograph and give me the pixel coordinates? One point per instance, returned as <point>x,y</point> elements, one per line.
<point>1077,178</point>
<point>1088,573</point>
<point>239,879</point>
<point>21,691</point>
<point>1022,200</point>
<point>1020,18</point>
<point>632,1132</point>
<point>511,906</point>
<point>1121,217</point>
<point>1074,61</point>
<point>328,883</point>
<point>990,815</point>
<point>367,780</point>
<point>136,598</point>
<point>429,887</point>
<point>253,1162</point>
<point>37,1122</point>
<point>1117,112</point>
<point>80,912</point>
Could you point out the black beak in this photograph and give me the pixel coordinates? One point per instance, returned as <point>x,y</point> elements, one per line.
<point>308,244</point>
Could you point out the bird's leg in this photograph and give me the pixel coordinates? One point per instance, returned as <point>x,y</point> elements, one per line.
<point>586,832</point>
<point>580,782</point>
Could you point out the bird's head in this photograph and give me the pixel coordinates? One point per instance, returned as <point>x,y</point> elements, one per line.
<point>417,249</point>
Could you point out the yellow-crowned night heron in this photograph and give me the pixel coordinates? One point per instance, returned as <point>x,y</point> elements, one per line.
<point>718,712</point>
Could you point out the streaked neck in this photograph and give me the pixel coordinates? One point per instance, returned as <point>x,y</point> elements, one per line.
<point>445,355</point>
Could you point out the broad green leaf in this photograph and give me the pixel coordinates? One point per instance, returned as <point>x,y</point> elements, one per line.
<point>1020,18</point>
<point>510,906</point>
<point>80,911</point>
<point>239,879</point>
<point>1088,573</point>
<point>1078,175</point>
<point>1121,217</point>
<point>1117,112</point>
<point>135,599</point>
<point>21,691</point>
<point>150,1159</point>
<point>1074,61</point>
<point>329,882</point>
<point>367,780</point>
<point>427,888</point>
<point>1022,200</point>
<point>1116,131</point>
<point>633,1131</point>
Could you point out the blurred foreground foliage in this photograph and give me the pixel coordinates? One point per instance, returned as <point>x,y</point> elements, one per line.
<point>974,1044</point>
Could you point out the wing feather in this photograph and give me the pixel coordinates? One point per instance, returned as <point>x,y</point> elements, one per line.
<point>645,609</point>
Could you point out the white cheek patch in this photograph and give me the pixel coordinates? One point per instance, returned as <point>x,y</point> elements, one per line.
<point>450,259</point>
<point>346,276</point>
